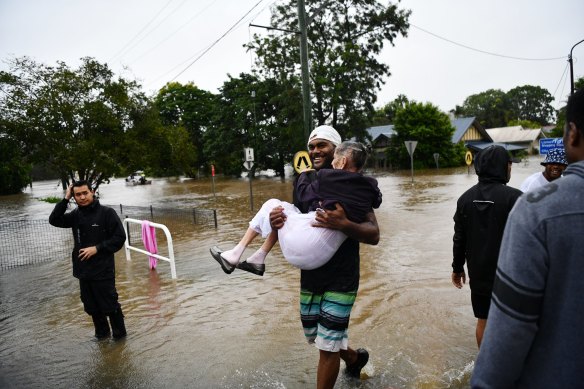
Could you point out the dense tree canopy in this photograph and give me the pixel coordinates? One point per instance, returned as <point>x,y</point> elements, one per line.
<point>495,108</point>
<point>431,128</point>
<point>558,131</point>
<point>193,109</point>
<point>262,114</point>
<point>532,103</point>
<point>345,38</point>
<point>491,108</point>
<point>14,170</point>
<point>386,114</point>
<point>73,120</point>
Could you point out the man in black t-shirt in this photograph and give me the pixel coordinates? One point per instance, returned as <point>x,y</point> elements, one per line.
<point>327,293</point>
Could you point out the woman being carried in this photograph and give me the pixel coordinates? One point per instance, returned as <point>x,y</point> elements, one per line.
<point>304,245</point>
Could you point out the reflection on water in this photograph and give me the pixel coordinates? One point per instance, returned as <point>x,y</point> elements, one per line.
<point>210,330</point>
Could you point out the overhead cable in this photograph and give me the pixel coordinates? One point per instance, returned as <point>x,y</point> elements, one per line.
<point>140,32</point>
<point>486,52</point>
<point>217,41</point>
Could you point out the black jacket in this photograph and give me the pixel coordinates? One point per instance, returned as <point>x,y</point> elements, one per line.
<point>480,218</point>
<point>356,193</point>
<point>93,225</point>
<point>341,272</point>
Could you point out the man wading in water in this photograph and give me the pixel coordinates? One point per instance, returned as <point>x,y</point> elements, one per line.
<point>327,293</point>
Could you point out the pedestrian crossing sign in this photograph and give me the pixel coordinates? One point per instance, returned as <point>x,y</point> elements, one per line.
<point>302,161</point>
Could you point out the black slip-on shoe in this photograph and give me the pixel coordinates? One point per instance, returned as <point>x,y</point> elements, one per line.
<point>254,268</point>
<point>226,266</point>
<point>354,370</point>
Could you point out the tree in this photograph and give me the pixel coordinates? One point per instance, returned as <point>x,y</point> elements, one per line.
<point>386,114</point>
<point>558,131</point>
<point>425,123</point>
<point>14,170</point>
<point>531,103</point>
<point>148,145</point>
<point>524,124</point>
<point>72,120</point>
<point>262,114</point>
<point>491,108</point>
<point>345,38</point>
<point>193,109</point>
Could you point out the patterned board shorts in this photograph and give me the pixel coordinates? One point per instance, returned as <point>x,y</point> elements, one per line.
<point>325,318</point>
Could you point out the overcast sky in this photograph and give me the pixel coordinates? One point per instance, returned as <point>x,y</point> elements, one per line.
<point>443,59</point>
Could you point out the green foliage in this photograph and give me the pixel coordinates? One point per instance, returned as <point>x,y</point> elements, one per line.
<point>193,109</point>
<point>558,131</point>
<point>386,114</point>
<point>531,103</point>
<point>14,170</point>
<point>491,108</point>
<point>524,123</point>
<point>147,145</point>
<point>51,199</point>
<point>579,83</point>
<point>425,123</point>
<point>263,114</point>
<point>495,108</point>
<point>72,120</point>
<point>345,38</point>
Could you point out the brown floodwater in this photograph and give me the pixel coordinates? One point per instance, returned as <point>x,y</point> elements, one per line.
<point>207,329</point>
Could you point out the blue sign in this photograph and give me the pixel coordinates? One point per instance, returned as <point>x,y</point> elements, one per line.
<point>547,144</point>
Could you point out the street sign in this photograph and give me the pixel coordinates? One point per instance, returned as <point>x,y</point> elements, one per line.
<point>411,146</point>
<point>248,165</point>
<point>547,144</point>
<point>468,158</point>
<point>302,161</point>
<point>248,154</point>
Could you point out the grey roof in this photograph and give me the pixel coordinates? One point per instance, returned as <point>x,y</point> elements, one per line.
<point>375,132</point>
<point>479,145</point>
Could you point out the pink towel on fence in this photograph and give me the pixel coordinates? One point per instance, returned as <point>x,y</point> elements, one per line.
<point>149,240</point>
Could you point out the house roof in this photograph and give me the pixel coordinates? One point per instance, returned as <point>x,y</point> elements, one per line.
<point>479,145</point>
<point>461,125</point>
<point>514,134</point>
<point>375,132</point>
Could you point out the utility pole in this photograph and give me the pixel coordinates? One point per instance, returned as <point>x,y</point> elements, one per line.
<point>572,68</point>
<point>306,102</point>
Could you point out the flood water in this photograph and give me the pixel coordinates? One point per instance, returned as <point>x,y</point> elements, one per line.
<point>207,329</point>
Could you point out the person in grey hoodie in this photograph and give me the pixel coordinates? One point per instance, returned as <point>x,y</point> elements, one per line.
<point>479,221</point>
<point>534,337</point>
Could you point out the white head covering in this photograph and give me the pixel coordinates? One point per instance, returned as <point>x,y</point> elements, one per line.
<point>327,133</point>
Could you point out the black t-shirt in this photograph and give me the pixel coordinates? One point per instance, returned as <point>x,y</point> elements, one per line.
<point>340,273</point>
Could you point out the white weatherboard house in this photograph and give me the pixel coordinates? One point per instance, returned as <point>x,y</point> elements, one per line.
<point>518,136</point>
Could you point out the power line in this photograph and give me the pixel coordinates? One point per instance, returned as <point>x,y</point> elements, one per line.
<point>486,52</point>
<point>158,25</point>
<point>217,41</point>
<point>173,33</point>
<point>140,32</point>
<point>560,83</point>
